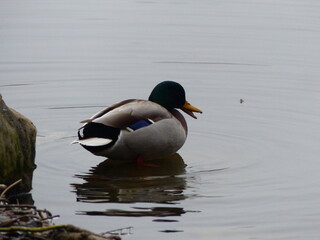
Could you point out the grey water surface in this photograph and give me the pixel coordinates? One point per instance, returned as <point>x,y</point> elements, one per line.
<point>250,166</point>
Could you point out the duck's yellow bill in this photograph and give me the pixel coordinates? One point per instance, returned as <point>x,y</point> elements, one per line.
<point>189,109</point>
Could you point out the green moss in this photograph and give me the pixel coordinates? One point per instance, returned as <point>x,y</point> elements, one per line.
<point>17,144</point>
<point>10,154</point>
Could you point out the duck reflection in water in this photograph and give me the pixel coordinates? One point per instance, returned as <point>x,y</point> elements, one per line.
<point>113,181</point>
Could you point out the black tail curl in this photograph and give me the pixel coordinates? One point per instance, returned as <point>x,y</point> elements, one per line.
<point>99,130</point>
<point>93,129</point>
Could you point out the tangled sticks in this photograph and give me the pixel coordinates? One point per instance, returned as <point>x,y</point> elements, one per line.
<point>24,221</point>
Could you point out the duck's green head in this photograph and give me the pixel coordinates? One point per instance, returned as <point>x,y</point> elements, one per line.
<point>171,95</point>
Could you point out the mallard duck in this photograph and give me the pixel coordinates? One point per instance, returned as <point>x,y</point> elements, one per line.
<point>137,129</point>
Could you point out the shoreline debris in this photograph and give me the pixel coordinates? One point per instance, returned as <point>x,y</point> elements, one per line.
<point>25,221</point>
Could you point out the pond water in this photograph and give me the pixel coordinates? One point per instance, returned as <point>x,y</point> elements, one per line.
<point>250,166</point>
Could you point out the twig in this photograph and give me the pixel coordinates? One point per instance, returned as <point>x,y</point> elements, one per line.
<point>32,229</point>
<point>120,230</point>
<point>72,228</point>
<point>3,200</point>
<point>10,186</point>
<point>13,220</point>
<point>49,218</point>
<point>19,206</point>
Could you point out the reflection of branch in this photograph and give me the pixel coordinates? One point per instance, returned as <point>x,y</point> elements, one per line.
<point>10,186</point>
<point>141,212</point>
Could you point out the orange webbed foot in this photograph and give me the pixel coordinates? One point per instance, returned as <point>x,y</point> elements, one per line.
<point>141,163</point>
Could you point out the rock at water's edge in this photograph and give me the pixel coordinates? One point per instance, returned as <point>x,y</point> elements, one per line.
<point>17,146</point>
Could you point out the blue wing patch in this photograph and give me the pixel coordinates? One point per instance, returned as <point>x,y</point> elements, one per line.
<point>140,124</point>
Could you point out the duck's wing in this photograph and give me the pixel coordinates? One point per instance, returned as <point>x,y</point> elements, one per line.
<point>107,109</point>
<point>122,115</point>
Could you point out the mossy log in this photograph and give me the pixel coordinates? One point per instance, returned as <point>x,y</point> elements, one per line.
<point>17,146</point>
